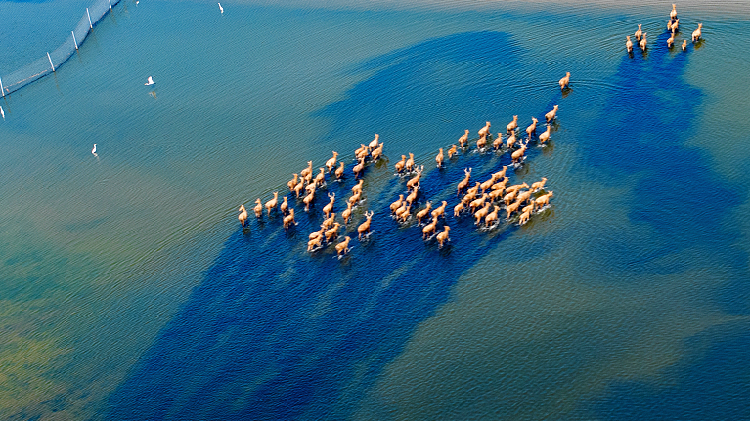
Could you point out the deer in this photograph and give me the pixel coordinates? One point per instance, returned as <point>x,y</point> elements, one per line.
<point>289,219</point>
<point>310,188</point>
<point>532,127</point>
<point>364,153</point>
<point>509,196</point>
<point>293,182</point>
<point>332,161</point>
<point>491,218</point>
<point>307,200</point>
<point>313,243</point>
<point>465,182</point>
<point>321,177</point>
<point>439,211</point>
<point>422,213</point>
<point>243,215</point>
<point>452,151</point>
<point>696,35</point>
<point>544,137</point>
<point>628,46</point>
<point>513,125</point>
<point>355,198</point>
<point>565,81</point>
<point>673,13</point>
<point>442,237</point>
<point>357,188</point>
<point>271,204</point>
<point>404,208</point>
<point>551,115</point>
<point>374,143</point>
<point>377,152</point>
<point>670,41</point>
<point>481,213</point>
<point>359,168</point>
<point>488,184</point>
<point>307,171</point>
<point>684,45</point>
<point>638,33</point>
<point>512,208</point>
<point>329,207</point>
<point>328,223</point>
<point>299,187</point>
<point>404,216</point>
<point>258,208</point>
<point>484,131</point>
<point>498,142</point>
<point>409,163</point>
<point>401,164</point>
<point>543,199</point>
<point>524,218</point>
<point>429,229</point>
<point>478,202</point>
<point>284,206</point>
<point>511,140</point>
<point>528,208</point>
<point>364,228</point>
<point>539,184</point>
<point>458,209</point>
<point>347,213</point>
<point>412,196</point>
<point>673,26</point>
<point>517,155</point>
<point>523,196</point>
<point>643,42</point>
<point>482,142</point>
<point>332,233</point>
<point>362,149</point>
<point>439,158</point>
<point>501,174</point>
<point>397,204</point>
<point>464,140</point>
<point>414,182</point>
<point>343,247</point>
<point>339,171</point>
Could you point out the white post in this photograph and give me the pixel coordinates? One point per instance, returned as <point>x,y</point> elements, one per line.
<point>74,39</point>
<point>1,88</point>
<point>50,62</point>
<point>91,25</point>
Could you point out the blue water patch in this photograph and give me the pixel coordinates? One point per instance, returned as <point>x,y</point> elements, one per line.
<point>276,333</point>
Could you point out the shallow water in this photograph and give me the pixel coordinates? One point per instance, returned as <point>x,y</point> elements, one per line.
<point>131,293</point>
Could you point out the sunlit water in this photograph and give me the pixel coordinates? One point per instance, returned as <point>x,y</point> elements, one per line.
<point>129,291</point>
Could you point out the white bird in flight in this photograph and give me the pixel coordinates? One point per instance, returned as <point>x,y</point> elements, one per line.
<point>221,8</point>
<point>2,112</point>
<point>150,81</point>
<point>93,151</point>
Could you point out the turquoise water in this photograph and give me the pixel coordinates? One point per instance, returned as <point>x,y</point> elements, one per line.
<point>130,291</point>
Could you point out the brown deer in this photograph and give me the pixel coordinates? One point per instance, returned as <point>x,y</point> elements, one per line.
<point>442,237</point>
<point>440,210</point>
<point>513,125</point>
<point>465,182</point>
<point>364,228</point>
<point>439,158</point>
<point>464,140</point>
<point>532,127</point>
<point>551,115</point>
<point>343,247</point>
<point>271,204</point>
<point>422,213</point>
<point>329,207</point>
<point>332,161</point>
<point>565,81</point>
<point>243,215</point>
<point>289,219</point>
<point>258,208</point>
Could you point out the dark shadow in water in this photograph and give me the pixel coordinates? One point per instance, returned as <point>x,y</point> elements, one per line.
<point>683,201</point>
<point>642,131</point>
<point>276,333</point>
<point>711,385</point>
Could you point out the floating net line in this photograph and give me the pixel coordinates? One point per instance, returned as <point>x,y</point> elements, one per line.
<point>54,59</point>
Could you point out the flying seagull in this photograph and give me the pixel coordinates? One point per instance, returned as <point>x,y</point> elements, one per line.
<point>221,8</point>
<point>150,81</point>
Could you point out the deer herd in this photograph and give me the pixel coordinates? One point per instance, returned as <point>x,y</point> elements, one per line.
<point>483,201</point>
<point>673,26</point>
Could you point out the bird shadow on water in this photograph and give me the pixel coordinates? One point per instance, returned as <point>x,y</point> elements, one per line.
<point>274,332</point>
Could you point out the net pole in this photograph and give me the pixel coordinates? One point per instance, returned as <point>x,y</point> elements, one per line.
<point>74,39</point>
<point>1,87</point>
<point>91,25</point>
<point>50,62</point>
